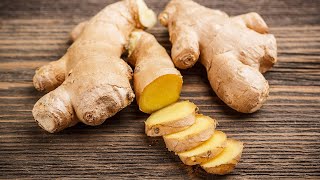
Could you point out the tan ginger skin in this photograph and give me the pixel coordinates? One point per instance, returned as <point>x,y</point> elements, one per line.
<point>90,83</point>
<point>152,63</point>
<point>234,50</point>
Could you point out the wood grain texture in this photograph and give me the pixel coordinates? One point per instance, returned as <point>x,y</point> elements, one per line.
<point>282,140</point>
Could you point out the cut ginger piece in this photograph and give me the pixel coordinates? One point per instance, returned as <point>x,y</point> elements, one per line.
<point>226,161</point>
<point>157,83</point>
<point>160,93</point>
<point>199,132</point>
<point>171,119</point>
<point>206,150</point>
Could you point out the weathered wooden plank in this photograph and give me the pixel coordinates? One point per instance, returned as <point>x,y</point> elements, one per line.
<point>285,12</point>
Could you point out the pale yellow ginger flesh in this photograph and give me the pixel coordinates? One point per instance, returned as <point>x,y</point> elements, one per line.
<point>157,83</point>
<point>160,93</point>
<point>171,119</point>
<point>199,132</point>
<point>234,50</point>
<point>196,143</point>
<point>91,83</point>
<point>206,150</point>
<point>226,161</point>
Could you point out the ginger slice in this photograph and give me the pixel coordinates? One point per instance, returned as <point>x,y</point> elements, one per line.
<point>198,133</point>
<point>205,151</point>
<point>171,119</point>
<point>226,161</point>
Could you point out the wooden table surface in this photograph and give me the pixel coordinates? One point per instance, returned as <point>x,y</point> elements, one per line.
<point>282,140</point>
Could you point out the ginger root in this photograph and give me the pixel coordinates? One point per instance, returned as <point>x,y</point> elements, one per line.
<point>157,83</point>
<point>90,83</point>
<point>234,50</point>
<point>197,142</point>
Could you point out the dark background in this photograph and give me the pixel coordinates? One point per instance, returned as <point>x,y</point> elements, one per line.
<point>281,140</point>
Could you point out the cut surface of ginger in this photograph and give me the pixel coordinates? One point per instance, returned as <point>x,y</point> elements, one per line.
<point>200,131</point>
<point>171,119</point>
<point>202,123</point>
<point>206,150</point>
<point>160,93</point>
<point>170,113</point>
<point>226,160</point>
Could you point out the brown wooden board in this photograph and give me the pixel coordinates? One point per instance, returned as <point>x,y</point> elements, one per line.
<point>282,140</point>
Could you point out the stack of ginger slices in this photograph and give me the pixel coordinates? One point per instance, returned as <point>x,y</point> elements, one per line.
<point>194,139</point>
